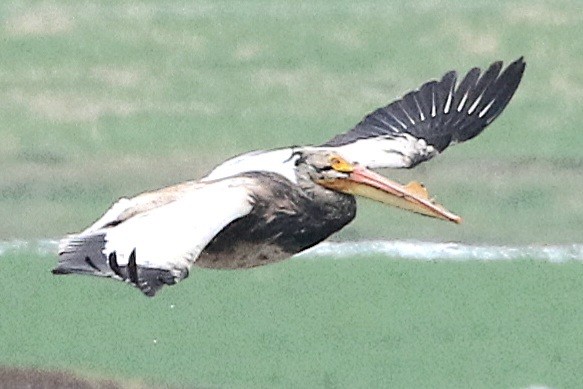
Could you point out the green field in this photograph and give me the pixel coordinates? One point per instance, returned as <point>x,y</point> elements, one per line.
<point>362,322</point>
<point>104,99</point>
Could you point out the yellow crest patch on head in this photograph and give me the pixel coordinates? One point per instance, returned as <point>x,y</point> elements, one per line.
<point>340,164</point>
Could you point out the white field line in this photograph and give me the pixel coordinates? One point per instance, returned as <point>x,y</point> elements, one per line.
<point>429,251</point>
<point>404,250</point>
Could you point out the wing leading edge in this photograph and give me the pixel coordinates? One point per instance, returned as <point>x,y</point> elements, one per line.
<point>426,121</point>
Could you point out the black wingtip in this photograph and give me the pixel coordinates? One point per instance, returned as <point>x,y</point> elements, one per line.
<point>133,268</point>
<point>60,271</point>
<point>82,254</point>
<point>445,111</point>
<point>517,66</point>
<point>520,63</point>
<point>113,264</point>
<point>148,280</point>
<point>91,264</point>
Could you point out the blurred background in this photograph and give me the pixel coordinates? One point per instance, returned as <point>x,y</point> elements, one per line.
<point>107,99</point>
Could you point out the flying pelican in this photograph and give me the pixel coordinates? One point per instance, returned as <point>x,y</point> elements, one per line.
<point>265,206</point>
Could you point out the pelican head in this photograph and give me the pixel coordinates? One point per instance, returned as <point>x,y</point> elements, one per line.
<point>323,166</point>
<point>332,171</point>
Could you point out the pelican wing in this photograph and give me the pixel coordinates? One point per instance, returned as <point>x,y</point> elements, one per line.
<point>125,208</point>
<point>157,239</point>
<point>426,121</point>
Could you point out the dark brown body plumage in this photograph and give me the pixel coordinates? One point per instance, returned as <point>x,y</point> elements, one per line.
<point>285,220</point>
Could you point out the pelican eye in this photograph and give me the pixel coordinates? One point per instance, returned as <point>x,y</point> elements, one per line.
<point>340,165</point>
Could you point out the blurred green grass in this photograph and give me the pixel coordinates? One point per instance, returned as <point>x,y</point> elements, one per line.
<point>104,99</point>
<point>360,322</point>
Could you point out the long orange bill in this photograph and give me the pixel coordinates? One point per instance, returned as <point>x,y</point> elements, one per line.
<point>412,197</point>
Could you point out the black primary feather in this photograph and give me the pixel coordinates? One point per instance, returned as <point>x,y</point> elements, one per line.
<point>133,268</point>
<point>114,265</point>
<point>148,280</point>
<point>84,255</point>
<point>441,113</point>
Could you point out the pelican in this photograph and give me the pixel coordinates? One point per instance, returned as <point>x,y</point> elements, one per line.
<point>265,206</point>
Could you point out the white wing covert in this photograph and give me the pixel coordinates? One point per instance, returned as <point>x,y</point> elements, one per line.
<point>158,246</point>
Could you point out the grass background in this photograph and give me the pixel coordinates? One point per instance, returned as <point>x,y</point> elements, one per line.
<point>360,322</point>
<point>104,99</point>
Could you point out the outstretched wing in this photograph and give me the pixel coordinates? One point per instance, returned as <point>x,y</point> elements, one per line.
<point>125,208</point>
<point>157,246</point>
<point>426,121</point>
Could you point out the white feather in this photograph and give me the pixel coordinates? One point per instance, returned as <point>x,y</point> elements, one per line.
<point>403,125</point>
<point>433,108</point>
<point>110,216</point>
<point>461,104</point>
<point>421,115</point>
<point>474,105</point>
<point>486,109</point>
<point>172,236</point>
<point>448,102</point>
<point>385,152</point>
<point>280,161</point>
